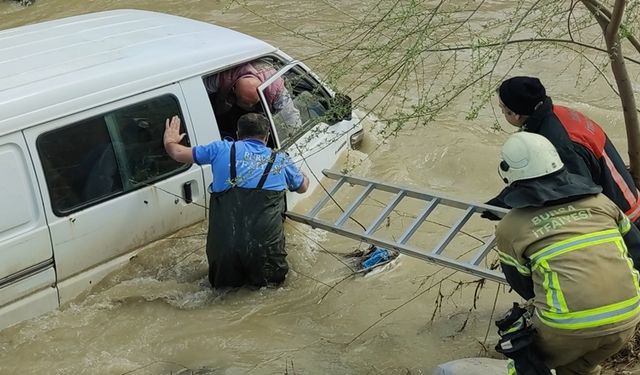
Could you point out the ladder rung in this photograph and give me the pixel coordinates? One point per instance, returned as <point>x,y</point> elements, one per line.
<point>416,223</point>
<point>484,250</point>
<point>383,215</point>
<point>454,229</point>
<point>314,211</point>
<point>345,215</point>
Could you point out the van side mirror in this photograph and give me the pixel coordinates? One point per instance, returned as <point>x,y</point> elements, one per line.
<point>340,108</point>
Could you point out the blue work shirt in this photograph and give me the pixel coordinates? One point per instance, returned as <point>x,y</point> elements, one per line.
<point>252,157</point>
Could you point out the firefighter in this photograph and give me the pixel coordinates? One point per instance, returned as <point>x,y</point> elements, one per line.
<point>583,146</point>
<point>562,247</point>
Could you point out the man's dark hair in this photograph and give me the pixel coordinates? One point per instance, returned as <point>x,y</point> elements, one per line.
<point>253,125</point>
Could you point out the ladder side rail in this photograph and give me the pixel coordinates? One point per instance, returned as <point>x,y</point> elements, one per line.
<point>316,209</point>
<point>483,251</point>
<point>444,201</point>
<point>404,249</point>
<point>347,213</point>
<point>364,182</point>
<point>384,214</point>
<point>391,188</point>
<point>455,228</point>
<point>418,221</point>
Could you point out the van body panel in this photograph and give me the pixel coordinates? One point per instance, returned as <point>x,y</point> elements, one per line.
<point>32,305</point>
<point>103,231</point>
<point>317,154</point>
<point>73,286</point>
<point>45,279</point>
<point>25,244</point>
<point>57,68</point>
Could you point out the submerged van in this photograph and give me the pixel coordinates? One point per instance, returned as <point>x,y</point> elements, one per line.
<point>85,178</point>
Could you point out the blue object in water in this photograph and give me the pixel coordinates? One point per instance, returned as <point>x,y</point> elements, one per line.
<point>378,256</point>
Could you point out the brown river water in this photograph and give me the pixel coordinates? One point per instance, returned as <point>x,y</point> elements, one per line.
<point>158,316</point>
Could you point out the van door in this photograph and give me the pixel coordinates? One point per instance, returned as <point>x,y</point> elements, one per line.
<point>109,186</point>
<point>27,277</point>
<point>307,120</point>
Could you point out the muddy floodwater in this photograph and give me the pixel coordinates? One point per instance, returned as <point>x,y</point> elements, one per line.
<point>157,315</point>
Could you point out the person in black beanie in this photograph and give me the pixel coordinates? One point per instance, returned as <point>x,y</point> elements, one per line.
<point>520,96</point>
<point>584,147</point>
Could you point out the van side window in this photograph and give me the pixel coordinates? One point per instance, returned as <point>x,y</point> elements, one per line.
<point>108,155</point>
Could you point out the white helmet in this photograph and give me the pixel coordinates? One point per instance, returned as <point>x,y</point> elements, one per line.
<point>528,155</point>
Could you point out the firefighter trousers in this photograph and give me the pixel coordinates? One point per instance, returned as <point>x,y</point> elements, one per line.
<point>576,355</point>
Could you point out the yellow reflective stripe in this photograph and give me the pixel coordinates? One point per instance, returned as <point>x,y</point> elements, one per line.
<point>551,285</point>
<point>574,243</point>
<point>545,283</point>
<point>624,225</point>
<point>511,367</point>
<point>558,295</point>
<point>624,253</point>
<point>507,259</point>
<point>518,325</point>
<point>600,316</point>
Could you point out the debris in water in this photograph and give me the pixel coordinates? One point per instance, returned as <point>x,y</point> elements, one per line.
<point>201,371</point>
<point>374,257</point>
<point>24,2</point>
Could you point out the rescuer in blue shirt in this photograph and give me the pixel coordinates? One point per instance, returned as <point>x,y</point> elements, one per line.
<point>245,241</point>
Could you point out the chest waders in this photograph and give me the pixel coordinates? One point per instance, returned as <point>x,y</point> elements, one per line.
<point>245,243</point>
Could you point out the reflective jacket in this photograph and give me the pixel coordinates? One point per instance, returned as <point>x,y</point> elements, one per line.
<point>572,260</point>
<point>586,150</point>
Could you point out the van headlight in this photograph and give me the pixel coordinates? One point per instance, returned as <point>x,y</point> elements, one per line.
<point>356,139</point>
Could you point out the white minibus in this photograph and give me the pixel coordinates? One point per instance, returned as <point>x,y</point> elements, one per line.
<point>85,178</point>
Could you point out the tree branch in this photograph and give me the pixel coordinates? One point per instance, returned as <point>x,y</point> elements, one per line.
<point>627,97</point>
<point>527,40</point>
<point>611,33</point>
<point>601,8</point>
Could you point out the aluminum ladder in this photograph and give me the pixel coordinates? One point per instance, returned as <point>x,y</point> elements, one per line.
<point>437,255</point>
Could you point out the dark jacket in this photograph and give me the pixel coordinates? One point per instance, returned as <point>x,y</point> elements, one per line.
<point>585,150</point>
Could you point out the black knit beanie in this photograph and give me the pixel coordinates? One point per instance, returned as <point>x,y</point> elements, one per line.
<point>522,94</point>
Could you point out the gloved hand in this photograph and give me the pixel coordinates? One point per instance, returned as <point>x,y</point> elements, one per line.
<point>496,201</point>
<point>486,214</point>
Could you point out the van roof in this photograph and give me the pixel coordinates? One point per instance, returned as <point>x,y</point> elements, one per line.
<point>56,68</point>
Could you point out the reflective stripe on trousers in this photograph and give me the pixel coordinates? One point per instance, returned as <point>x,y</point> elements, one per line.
<point>558,314</point>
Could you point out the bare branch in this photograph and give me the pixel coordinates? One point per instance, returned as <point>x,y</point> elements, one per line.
<point>569,16</point>
<point>528,40</point>
<point>611,34</point>
<point>632,39</point>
